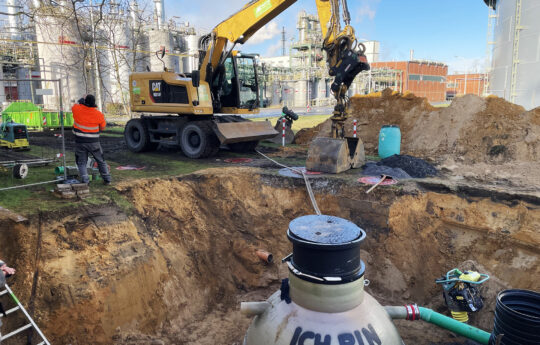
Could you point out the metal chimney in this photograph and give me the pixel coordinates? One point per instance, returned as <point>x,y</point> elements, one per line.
<point>159,13</point>
<point>14,19</point>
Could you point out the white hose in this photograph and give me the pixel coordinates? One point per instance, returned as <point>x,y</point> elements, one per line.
<point>308,184</point>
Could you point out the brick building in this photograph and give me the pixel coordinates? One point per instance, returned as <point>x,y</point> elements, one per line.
<point>423,78</point>
<point>462,84</point>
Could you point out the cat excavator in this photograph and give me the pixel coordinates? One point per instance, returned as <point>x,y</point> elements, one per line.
<point>185,109</point>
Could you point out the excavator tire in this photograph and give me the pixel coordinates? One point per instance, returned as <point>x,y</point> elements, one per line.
<point>137,137</point>
<point>198,140</point>
<point>246,146</point>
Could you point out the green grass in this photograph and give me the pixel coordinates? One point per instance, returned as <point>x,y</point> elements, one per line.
<point>302,122</point>
<point>30,200</point>
<point>114,129</point>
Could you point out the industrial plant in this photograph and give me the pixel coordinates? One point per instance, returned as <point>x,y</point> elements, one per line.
<point>95,50</point>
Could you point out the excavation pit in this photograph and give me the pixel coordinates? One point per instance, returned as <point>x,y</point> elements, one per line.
<point>174,267</point>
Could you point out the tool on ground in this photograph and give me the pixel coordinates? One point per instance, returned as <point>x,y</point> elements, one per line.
<point>383,178</point>
<point>30,324</point>
<point>461,293</point>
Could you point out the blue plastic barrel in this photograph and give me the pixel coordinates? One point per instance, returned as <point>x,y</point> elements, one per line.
<point>389,141</point>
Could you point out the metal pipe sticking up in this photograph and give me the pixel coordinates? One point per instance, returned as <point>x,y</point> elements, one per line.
<point>134,13</point>
<point>159,14</point>
<point>14,19</point>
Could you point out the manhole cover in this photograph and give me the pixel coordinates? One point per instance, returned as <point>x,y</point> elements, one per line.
<point>376,179</point>
<point>238,160</point>
<point>289,173</point>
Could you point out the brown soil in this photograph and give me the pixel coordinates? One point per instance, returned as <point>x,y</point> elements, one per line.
<point>175,269</point>
<point>472,129</point>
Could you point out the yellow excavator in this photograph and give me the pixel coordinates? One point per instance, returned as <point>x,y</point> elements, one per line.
<point>184,109</point>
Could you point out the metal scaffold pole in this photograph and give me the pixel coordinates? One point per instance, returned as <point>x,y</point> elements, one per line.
<point>62,127</point>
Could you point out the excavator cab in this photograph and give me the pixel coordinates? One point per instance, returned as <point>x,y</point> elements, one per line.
<point>235,85</point>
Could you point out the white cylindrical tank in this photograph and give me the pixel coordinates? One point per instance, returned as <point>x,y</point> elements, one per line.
<point>323,301</point>
<point>300,93</point>
<point>159,14</point>
<point>516,62</point>
<point>14,19</point>
<point>191,48</point>
<point>60,54</point>
<point>117,61</point>
<point>302,26</point>
<point>163,38</point>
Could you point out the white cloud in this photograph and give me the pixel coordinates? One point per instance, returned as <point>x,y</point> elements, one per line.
<point>367,9</point>
<point>267,32</point>
<point>274,49</point>
<point>461,64</point>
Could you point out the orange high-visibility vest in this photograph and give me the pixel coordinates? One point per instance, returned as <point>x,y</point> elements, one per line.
<point>88,122</point>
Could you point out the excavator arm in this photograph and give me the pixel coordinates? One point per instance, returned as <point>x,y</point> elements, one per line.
<point>238,28</point>
<point>345,58</point>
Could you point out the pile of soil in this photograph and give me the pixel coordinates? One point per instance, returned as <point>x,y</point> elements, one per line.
<point>371,114</point>
<point>414,167</point>
<point>472,129</point>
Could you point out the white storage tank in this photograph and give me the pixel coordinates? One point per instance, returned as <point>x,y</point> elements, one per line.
<point>61,53</point>
<point>300,93</point>
<point>163,38</point>
<point>516,61</point>
<point>191,48</point>
<point>116,60</point>
<point>323,301</point>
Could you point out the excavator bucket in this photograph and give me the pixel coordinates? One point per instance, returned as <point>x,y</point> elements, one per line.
<point>237,132</point>
<point>330,155</point>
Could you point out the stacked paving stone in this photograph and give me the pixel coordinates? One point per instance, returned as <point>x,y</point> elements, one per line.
<point>72,191</point>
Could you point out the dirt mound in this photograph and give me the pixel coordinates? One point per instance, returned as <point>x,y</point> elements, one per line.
<point>371,113</point>
<point>475,130</point>
<point>472,129</point>
<point>305,135</point>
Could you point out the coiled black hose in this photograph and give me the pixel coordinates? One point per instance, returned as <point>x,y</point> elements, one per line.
<point>517,318</point>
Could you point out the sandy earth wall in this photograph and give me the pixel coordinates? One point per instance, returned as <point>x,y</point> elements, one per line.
<point>174,269</point>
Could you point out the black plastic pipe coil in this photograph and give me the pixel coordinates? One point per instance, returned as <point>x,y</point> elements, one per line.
<point>517,317</point>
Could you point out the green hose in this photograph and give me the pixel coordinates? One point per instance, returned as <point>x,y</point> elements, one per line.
<point>457,327</point>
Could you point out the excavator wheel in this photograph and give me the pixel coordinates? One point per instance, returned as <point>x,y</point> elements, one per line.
<point>198,140</point>
<point>137,138</point>
<point>246,146</point>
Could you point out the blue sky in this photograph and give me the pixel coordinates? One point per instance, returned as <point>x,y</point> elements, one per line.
<point>453,32</point>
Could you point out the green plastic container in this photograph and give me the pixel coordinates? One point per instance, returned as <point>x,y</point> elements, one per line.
<point>33,117</point>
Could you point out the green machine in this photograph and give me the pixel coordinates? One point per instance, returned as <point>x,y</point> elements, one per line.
<point>14,136</point>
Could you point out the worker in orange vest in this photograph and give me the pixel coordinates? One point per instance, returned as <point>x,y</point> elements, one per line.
<point>88,122</point>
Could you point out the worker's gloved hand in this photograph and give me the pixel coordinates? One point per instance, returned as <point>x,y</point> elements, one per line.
<point>81,101</point>
<point>8,271</point>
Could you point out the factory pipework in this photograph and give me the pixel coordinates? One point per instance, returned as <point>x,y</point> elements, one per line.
<point>14,19</point>
<point>159,14</point>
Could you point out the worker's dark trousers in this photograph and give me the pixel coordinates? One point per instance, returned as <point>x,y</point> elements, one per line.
<point>81,157</point>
